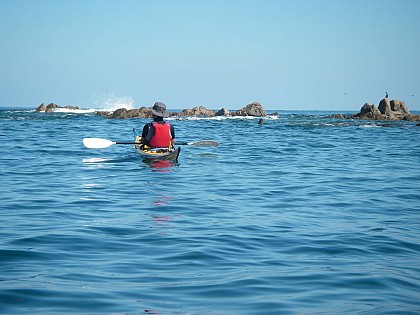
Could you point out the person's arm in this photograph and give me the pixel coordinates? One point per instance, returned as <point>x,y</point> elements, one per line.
<point>145,135</point>
<point>173,135</point>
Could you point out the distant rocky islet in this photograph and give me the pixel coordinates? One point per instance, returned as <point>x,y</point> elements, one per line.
<point>253,109</point>
<point>386,110</point>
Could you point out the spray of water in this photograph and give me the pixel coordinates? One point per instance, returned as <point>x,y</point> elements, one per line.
<point>111,102</point>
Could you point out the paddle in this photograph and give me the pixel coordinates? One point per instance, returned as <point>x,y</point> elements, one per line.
<point>202,143</point>
<point>99,143</point>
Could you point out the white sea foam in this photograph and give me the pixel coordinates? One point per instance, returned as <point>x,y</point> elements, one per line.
<point>369,126</point>
<point>105,103</point>
<point>111,102</point>
<point>74,111</point>
<point>95,160</point>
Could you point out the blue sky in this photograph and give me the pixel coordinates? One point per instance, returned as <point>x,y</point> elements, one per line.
<point>325,54</point>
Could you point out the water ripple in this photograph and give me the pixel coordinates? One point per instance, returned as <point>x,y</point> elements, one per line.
<point>303,214</point>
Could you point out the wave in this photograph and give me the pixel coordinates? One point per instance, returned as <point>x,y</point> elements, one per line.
<point>75,111</point>
<point>110,102</point>
<point>103,103</point>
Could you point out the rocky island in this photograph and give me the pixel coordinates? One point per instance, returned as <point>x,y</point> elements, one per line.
<point>253,109</point>
<point>387,110</point>
<point>51,107</point>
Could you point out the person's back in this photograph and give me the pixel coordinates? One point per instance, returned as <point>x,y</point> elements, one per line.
<point>159,133</point>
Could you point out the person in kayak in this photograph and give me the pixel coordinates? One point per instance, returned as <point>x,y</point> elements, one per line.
<point>158,133</point>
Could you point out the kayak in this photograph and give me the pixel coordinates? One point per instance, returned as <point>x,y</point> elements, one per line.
<point>149,153</point>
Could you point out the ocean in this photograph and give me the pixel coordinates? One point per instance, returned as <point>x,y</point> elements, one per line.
<point>304,214</point>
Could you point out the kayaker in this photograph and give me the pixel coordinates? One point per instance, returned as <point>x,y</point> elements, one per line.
<point>158,133</point>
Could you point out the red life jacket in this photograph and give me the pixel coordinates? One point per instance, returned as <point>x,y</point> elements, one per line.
<point>162,136</point>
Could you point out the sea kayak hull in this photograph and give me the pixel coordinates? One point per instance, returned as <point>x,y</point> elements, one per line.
<point>148,153</point>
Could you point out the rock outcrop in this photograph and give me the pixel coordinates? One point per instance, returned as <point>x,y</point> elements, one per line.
<point>393,109</point>
<point>370,112</point>
<point>223,112</point>
<point>51,106</point>
<point>387,110</point>
<point>253,109</point>
<point>41,108</point>
<point>123,113</point>
<point>198,111</point>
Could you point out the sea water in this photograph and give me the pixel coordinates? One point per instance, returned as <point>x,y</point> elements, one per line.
<point>304,214</point>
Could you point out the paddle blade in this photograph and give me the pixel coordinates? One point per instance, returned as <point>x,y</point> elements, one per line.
<point>97,143</point>
<point>203,143</point>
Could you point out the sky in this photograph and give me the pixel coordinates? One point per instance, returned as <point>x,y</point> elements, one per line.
<point>284,54</point>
